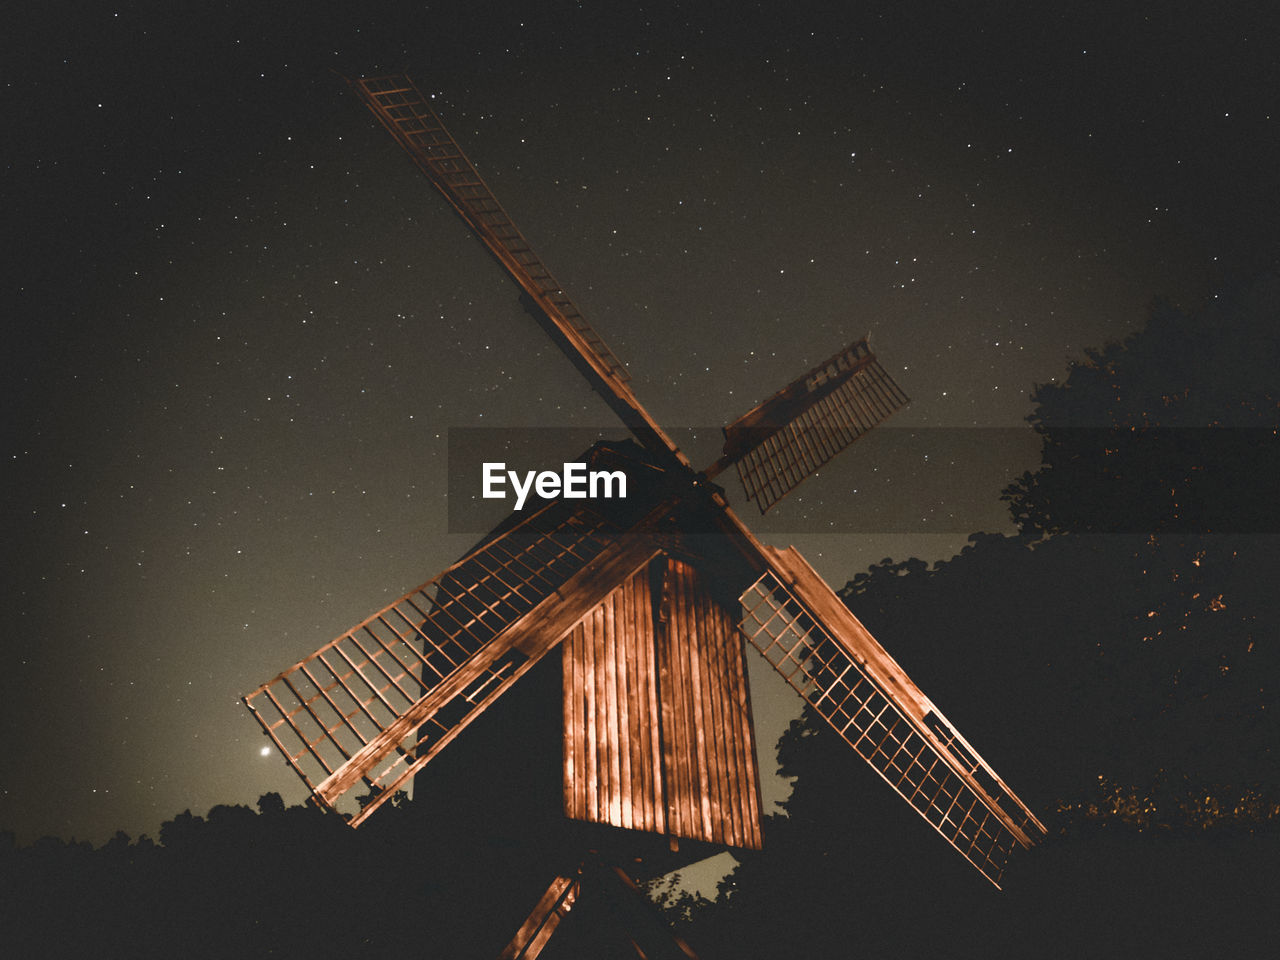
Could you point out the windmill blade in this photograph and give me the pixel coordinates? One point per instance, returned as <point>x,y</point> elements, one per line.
<point>376,704</point>
<point>805,424</point>
<point>404,112</point>
<point>802,628</point>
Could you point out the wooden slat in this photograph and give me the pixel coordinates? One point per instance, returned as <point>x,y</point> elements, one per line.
<point>675,723</point>
<point>591,782</point>
<point>650,717</point>
<point>604,750</point>
<point>635,804</point>
<point>628,721</point>
<point>617,791</point>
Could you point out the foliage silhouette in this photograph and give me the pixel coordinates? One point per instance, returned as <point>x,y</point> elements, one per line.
<point>1172,429</point>
<point>1115,661</point>
<point>279,882</point>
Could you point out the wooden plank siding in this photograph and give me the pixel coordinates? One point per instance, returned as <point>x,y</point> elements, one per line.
<point>657,717</point>
<point>612,767</point>
<point>708,744</point>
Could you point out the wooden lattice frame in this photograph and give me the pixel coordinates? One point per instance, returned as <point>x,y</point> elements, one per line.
<point>935,777</point>
<point>806,424</point>
<point>375,704</point>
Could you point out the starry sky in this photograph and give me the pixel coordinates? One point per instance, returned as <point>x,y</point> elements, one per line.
<point>240,325</point>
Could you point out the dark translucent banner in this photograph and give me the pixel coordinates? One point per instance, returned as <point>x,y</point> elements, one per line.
<point>922,480</point>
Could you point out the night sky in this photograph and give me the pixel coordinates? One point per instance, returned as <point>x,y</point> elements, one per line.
<point>240,324</point>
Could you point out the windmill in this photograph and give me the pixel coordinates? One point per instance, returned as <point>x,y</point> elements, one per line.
<point>649,602</point>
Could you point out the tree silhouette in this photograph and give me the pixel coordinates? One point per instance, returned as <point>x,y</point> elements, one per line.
<point>1115,661</point>
<point>1172,429</point>
<point>282,882</point>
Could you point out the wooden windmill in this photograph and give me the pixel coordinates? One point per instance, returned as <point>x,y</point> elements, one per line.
<point>647,603</point>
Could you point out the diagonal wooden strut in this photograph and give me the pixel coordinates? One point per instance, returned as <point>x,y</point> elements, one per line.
<point>800,626</point>
<point>615,899</point>
<point>551,908</point>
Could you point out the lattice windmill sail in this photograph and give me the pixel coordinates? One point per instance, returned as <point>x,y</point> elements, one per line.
<point>648,602</point>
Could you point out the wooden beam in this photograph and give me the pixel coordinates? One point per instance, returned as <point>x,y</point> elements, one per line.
<point>532,937</point>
